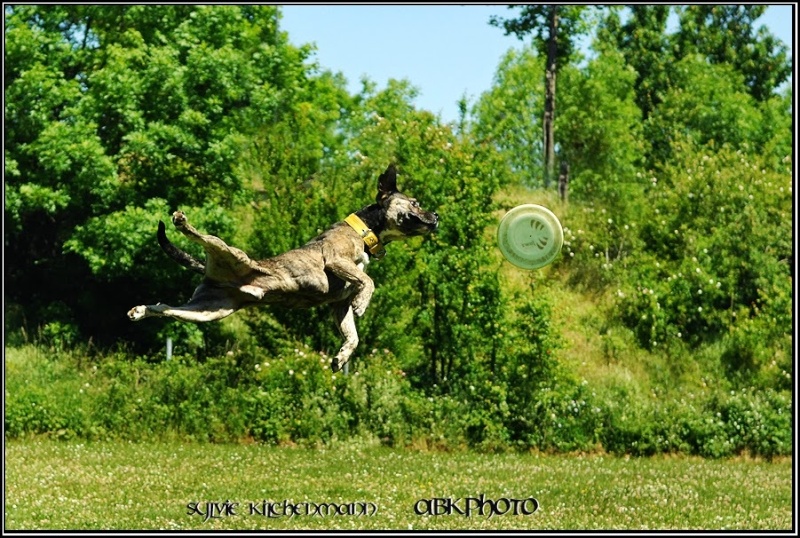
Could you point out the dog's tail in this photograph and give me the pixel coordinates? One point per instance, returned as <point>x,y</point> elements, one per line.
<point>183,258</point>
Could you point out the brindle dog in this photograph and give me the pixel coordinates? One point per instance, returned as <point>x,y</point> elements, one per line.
<point>329,269</point>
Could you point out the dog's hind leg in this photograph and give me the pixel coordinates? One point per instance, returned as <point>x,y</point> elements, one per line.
<point>224,263</point>
<point>184,313</point>
<point>346,322</point>
<point>207,304</point>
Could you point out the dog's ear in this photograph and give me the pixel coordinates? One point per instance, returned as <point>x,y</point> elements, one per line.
<point>387,183</point>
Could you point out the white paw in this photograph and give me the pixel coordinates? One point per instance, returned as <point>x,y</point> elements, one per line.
<point>137,312</point>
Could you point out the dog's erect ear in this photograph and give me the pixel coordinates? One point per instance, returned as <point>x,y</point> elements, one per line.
<point>387,183</point>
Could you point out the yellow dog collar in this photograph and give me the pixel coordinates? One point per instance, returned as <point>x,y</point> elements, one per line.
<point>370,239</point>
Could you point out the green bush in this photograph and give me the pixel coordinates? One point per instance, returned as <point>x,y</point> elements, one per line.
<point>295,398</point>
<point>713,425</point>
<point>714,262</point>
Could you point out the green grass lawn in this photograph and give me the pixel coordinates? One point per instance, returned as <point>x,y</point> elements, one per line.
<point>75,485</point>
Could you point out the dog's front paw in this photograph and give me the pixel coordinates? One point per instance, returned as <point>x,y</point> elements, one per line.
<point>137,312</point>
<point>179,219</point>
<point>338,363</point>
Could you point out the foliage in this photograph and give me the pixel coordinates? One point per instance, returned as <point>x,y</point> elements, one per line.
<point>677,237</point>
<point>726,34</point>
<point>601,143</point>
<point>643,42</point>
<point>506,115</point>
<point>709,104</point>
<point>555,29</point>
<point>118,108</point>
<point>599,131</point>
<point>534,19</point>
<point>716,255</point>
<point>293,398</point>
<point>711,427</point>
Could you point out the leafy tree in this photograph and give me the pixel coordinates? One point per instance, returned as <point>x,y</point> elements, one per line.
<point>708,103</point>
<point>716,262</point>
<point>644,43</point>
<point>502,115</point>
<point>110,109</point>
<point>776,137</point>
<point>599,130</point>
<point>723,34</point>
<point>555,28</point>
<point>726,34</point>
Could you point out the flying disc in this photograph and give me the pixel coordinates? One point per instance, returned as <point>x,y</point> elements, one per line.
<point>530,236</point>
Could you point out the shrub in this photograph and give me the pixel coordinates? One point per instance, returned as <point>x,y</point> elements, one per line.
<point>715,258</point>
<point>294,398</point>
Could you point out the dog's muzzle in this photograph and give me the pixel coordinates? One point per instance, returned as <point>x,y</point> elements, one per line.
<point>429,222</point>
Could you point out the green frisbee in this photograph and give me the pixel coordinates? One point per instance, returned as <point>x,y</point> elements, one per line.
<point>530,236</point>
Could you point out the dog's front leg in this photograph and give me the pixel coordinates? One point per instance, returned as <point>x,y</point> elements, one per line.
<point>346,323</point>
<point>350,272</point>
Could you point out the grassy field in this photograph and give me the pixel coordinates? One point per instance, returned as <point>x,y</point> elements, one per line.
<point>72,485</point>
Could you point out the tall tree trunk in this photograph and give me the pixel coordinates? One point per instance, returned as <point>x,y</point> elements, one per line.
<point>550,97</point>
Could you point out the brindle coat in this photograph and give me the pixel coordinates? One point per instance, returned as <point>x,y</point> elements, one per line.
<point>329,269</point>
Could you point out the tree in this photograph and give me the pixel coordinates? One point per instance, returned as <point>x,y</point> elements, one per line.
<point>707,103</point>
<point>599,128</point>
<point>726,34</point>
<point>643,41</point>
<point>723,34</point>
<point>555,27</point>
<point>113,109</point>
<point>716,257</point>
<point>501,116</point>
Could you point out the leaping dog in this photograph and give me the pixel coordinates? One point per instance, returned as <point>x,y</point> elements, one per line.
<point>329,269</point>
